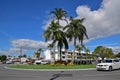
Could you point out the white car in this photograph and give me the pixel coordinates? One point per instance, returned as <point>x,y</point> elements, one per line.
<point>42,62</point>
<point>45,62</point>
<point>9,62</point>
<point>109,64</point>
<point>38,62</point>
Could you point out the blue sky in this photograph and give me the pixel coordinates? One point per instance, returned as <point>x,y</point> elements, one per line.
<point>23,21</point>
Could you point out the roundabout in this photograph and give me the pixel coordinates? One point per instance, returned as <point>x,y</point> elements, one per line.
<point>21,74</point>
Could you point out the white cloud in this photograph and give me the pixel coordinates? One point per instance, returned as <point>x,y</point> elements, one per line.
<point>99,23</point>
<point>12,51</point>
<point>25,44</point>
<point>116,49</point>
<point>102,22</point>
<point>28,44</point>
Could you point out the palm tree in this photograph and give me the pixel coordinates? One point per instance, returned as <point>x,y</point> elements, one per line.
<point>80,48</point>
<point>54,31</point>
<point>37,54</point>
<point>49,34</point>
<point>61,41</point>
<point>59,14</point>
<point>76,30</point>
<point>50,46</point>
<point>56,35</point>
<point>87,53</point>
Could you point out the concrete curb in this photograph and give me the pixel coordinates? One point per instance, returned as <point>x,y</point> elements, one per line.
<point>50,69</point>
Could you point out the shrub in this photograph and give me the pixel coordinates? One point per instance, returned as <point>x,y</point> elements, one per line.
<point>61,62</point>
<point>70,64</point>
<point>52,64</point>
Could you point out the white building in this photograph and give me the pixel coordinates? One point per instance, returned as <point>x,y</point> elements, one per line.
<point>50,55</point>
<point>66,55</point>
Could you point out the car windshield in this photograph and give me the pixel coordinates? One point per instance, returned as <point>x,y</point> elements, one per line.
<point>107,61</point>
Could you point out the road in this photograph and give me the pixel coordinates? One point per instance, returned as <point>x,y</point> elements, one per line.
<point>10,74</point>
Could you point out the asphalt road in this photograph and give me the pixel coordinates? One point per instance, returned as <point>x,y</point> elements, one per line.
<point>10,74</point>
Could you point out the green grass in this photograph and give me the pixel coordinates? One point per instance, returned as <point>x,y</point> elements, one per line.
<point>52,67</point>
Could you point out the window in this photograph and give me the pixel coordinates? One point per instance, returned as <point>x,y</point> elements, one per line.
<point>63,56</point>
<point>116,60</point>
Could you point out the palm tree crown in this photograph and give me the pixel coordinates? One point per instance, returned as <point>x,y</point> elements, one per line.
<point>76,30</point>
<point>59,14</point>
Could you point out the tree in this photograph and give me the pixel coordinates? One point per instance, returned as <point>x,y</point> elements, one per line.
<point>59,14</point>
<point>103,52</point>
<point>38,53</point>
<point>54,31</point>
<point>3,57</point>
<point>24,55</point>
<point>75,30</point>
<point>50,33</point>
<point>118,55</point>
<point>56,35</point>
<point>61,41</point>
<point>50,46</point>
<point>79,48</point>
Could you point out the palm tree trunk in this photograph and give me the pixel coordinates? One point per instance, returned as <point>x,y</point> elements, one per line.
<point>60,55</point>
<point>74,50</point>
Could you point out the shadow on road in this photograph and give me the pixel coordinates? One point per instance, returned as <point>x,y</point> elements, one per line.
<point>55,76</point>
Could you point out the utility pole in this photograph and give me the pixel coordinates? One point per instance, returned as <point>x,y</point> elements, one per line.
<point>20,53</point>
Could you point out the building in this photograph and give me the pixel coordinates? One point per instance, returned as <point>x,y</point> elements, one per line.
<point>66,55</point>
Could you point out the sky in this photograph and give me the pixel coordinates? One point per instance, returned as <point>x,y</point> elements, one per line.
<point>22,23</point>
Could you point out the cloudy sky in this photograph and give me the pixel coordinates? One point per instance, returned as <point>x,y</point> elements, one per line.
<point>23,21</point>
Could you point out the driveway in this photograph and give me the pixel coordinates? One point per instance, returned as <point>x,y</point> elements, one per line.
<point>10,74</point>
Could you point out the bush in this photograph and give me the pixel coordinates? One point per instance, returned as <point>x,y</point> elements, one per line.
<point>70,64</point>
<point>61,62</point>
<point>52,64</point>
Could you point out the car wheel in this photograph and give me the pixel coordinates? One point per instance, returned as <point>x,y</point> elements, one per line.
<point>110,68</point>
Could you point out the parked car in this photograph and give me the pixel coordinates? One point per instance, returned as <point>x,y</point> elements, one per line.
<point>109,64</point>
<point>37,62</point>
<point>45,62</point>
<point>9,62</point>
<point>42,62</point>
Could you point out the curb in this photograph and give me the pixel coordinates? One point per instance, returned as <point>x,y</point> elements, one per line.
<point>49,69</point>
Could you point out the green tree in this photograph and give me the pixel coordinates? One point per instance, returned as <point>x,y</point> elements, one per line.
<point>56,35</point>
<point>79,48</point>
<point>50,33</point>
<point>87,51</point>
<point>118,55</point>
<point>37,54</point>
<point>25,55</point>
<point>59,14</point>
<point>3,57</point>
<point>50,46</point>
<point>54,31</point>
<point>75,30</point>
<point>103,52</point>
